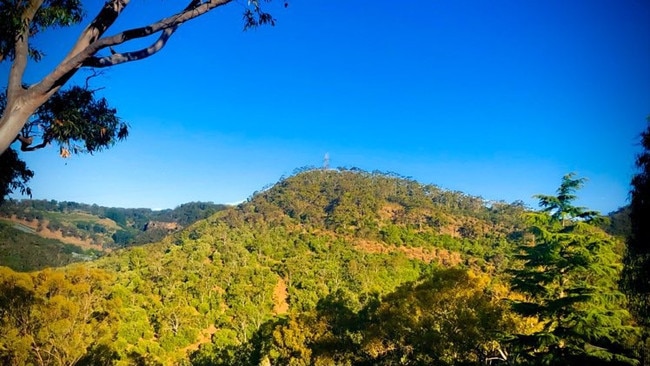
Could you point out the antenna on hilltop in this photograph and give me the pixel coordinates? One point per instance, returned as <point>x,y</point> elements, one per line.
<point>326,161</point>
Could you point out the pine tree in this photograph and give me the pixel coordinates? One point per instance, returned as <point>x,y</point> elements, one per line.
<point>570,278</point>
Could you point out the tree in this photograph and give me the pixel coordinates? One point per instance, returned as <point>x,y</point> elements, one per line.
<point>561,207</point>
<point>637,258</point>
<point>13,174</point>
<point>570,276</point>
<point>448,317</point>
<point>51,317</point>
<point>43,113</point>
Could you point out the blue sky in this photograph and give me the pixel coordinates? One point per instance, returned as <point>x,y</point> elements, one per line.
<point>497,99</point>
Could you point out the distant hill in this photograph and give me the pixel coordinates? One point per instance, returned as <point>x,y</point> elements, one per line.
<point>22,250</point>
<point>619,223</point>
<point>82,227</point>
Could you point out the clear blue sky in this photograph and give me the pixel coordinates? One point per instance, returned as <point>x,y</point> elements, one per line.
<point>497,99</point>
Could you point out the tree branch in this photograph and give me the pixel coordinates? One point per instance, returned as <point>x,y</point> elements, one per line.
<point>118,58</point>
<point>21,50</point>
<point>70,66</point>
<point>106,17</point>
<point>26,143</point>
<point>51,83</point>
<point>94,74</point>
<point>167,26</point>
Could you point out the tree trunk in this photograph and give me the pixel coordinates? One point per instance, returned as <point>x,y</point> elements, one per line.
<point>14,117</point>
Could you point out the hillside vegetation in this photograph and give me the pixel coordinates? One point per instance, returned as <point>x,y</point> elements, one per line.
<point>70,227</point>
<point>330,267</point>
<point>24,251</point>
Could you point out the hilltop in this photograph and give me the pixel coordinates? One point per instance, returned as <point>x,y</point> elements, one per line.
<point>388,211</point>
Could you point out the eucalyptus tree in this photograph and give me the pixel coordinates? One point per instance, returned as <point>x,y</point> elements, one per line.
<point>14,174</point>
<point>44,112</point>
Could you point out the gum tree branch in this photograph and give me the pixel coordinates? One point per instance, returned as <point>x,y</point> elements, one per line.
<point>118,58</point>
<point>26,143</point>
<point>21,50</point>
<point>70,66</point>
<point>159,44</point>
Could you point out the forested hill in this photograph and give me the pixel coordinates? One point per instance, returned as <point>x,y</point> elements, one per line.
<point>38,233</point>
<point>388,210</point>
<point>325,267</point>
<point>397,209</point>
<point>99,224</point>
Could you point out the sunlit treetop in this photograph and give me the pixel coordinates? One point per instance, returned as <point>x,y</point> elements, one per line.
<point>560,206</point>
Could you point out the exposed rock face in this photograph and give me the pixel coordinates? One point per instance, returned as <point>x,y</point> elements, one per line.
<point>160,225</point>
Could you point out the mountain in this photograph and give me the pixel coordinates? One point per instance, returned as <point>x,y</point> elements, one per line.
<point>323,267</point>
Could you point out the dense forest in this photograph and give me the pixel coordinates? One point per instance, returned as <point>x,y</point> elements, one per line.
<point>339,267</point>
<point>76,231</point>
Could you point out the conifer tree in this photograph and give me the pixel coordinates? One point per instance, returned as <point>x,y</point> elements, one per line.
<point>570,276</point>
<point>636,275</point>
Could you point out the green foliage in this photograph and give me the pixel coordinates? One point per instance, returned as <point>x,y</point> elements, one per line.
<point>307,273</point>
<point>52,317</point>
<point>385,207</point>
<point>77,121</point>
<point>53,13</point>
<point>87,222</point>
<point>14,175</point>
<point>446,317</point>
<point>570,276</point>
<point>637,258</point>
<point>116,215</point>
<point>122,237</point>
<point>560,206</point>
<point>619,223</point>
<point>254,16</point>
<point>190,212</point>
<point>25,252</point>
<point>638,255</point>
<point>74,119</point>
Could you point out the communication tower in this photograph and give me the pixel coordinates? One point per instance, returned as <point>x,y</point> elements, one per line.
<point>326,161</point>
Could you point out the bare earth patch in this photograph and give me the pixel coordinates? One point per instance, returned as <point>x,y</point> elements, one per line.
<point>204,337</point>
<point>427,255</point>
<point>49,234</point>
<point>390,211</point>
<point>280,304</point>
